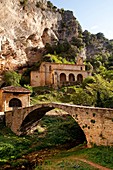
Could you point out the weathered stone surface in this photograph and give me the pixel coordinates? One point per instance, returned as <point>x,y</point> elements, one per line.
<point>26,28</point>
<point>2,117</point>
<point>56,75</point>
<point>97,123</point>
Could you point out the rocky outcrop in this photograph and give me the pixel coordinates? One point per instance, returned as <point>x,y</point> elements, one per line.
<point>25,28</point>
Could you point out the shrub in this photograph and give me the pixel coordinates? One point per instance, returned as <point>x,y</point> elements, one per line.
<point>49,4</point>
<point>12,78</point>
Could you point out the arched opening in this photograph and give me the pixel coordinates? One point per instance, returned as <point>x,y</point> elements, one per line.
<point>79,78</point>
<point>63,127</point>
<point>71,78</point>
<point>32,119</point>
<point>62,77</point>
<point>15,102</point>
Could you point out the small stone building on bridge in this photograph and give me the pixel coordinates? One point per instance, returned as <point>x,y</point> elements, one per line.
<point>11,97</point>
<point>56,75</point>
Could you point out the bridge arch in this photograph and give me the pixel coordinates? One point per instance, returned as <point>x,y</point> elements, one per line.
<point>32,120</point>
<point>97,123</point>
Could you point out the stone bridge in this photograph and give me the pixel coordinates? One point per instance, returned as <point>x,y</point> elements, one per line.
<point>97,123</point>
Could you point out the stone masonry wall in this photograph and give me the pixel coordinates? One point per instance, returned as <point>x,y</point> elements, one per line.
<point>97,123</point>
<point>49,73</point>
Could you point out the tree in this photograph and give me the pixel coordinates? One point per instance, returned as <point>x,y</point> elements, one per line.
<point>88,80</point>
<point>88,66</point>
<point>102,90</point>
<point>12,78</point>
<point>81,97</point>
<point>100,35</point>
<point>49,4</point>
<point>86,37</point>
<point>77,42</point>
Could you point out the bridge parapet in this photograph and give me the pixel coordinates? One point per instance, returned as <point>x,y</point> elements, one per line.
<point>97,123</point>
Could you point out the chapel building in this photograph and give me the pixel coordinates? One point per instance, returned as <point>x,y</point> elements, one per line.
<point>56,75</point>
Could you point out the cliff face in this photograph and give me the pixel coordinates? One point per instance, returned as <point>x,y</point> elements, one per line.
<point>26,26</point>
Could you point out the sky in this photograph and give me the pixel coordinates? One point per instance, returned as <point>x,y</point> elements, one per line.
<point>93,15</point>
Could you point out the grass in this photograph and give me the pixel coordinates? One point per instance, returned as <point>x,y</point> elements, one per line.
<point>68,160</point>
<point>12,146</point>
<point>102,155</point>
<point>63,164</point>
<point>51,131</point>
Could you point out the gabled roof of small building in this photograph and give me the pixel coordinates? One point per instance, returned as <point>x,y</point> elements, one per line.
<point>15,89</point>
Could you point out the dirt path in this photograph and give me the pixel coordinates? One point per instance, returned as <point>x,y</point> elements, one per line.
<point>93,164</point>
<point>39,157</point>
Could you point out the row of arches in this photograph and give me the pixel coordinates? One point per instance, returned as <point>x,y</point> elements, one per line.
<point>71,77</point>
<point>15,102</point>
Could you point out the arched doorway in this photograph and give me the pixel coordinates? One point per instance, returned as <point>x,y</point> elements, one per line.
<point>79,78</point>
<point>71,78</point>
<point>15,102</point>
<point>62,77</point>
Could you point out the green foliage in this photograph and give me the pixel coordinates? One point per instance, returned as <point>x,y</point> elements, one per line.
<point>81,97</point>
<point>94,91</point>
<point>29,88</point>
<point>88,80</point>
<point>100,35</point>
<point>65,130</point>
<point>55,59</point>
<point>25,78</point>
<point>11,146</point>
<point>88,66</point>
<point>49,4</point>
<point>58,48</point>
<point>77,42</point>
<point>63,50</point>
<point>57,130</point>
<point>77,96</point>
<point>86,37</point>
<point>102,90</point>
<point>62,10</point>
<point>6,149</point>
<point>68,164</point>
<point>12,78</point>
<point>79,30</point>
<point>102,155</point>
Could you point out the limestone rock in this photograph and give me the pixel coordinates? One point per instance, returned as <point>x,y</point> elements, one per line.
<point>25,28</point>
